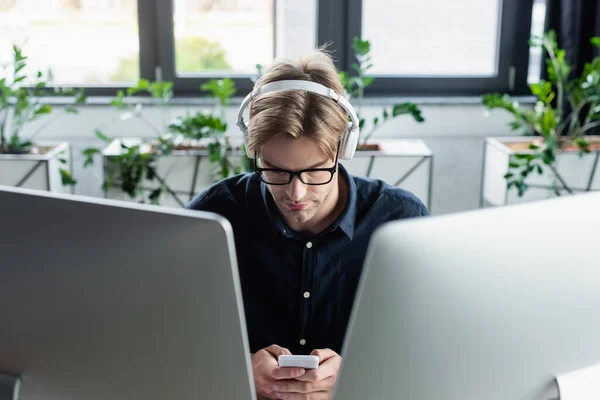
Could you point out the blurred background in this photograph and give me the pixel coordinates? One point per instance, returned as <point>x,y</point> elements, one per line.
<point>457,99</point>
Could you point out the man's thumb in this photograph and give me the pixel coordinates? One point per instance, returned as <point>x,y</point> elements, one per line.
<point>277,351</point>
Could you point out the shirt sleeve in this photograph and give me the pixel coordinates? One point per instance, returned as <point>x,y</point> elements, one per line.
<point>216,200</point>
<point>400,204</point>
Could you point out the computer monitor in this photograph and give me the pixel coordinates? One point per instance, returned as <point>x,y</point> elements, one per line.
<point>104,300</point>
<point>489,304</point>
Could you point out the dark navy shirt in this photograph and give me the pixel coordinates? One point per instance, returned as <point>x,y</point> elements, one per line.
<point>298,291</point>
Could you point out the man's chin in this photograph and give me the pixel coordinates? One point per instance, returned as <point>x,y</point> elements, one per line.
<point>299,216</point>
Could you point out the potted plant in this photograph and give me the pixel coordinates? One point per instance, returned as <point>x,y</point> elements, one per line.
<point>23,162</point>
<point>557,155</point>
<point>166,167</point>
<point>355,84</point>
<point>204,133</point>
<point>399,162</point>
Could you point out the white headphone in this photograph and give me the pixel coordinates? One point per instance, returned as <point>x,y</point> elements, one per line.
<point>348,140</point>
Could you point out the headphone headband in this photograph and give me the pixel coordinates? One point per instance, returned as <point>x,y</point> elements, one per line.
<point>350,136</point>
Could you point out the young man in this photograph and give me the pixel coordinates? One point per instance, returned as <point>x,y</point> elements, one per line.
<point>301,227</point>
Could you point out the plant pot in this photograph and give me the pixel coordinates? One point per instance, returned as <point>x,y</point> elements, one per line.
<point>186,171</point>
<point>579,173</point>
<point>368,147</point>
<point>405,163</point>
<point>39,169</point>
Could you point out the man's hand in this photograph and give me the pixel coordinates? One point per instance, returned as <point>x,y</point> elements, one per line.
<point>267,372</point>
<point>315,384</point>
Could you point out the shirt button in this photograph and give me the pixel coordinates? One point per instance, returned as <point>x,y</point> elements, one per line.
<point>302,342</point>
<point>306,295</point>
<point>308,245</point>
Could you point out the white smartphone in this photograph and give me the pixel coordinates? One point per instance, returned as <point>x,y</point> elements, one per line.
<point>307,362</point>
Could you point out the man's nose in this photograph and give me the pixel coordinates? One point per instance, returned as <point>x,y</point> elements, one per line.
<point>296,189</point>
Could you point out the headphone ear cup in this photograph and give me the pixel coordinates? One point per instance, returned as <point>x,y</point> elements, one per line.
<point>348,142</point>
<point>249,154</point>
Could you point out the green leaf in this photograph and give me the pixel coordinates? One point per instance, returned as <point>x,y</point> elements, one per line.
<point>155,196</point>
<point>508,175</point>
<point>533,146</point>
<point>523,156</point>
<point>408,108</point>
<point>101,136</point>
<point>89,155</point>
<point>71,110</point>
<point>595,41</point>
<point>198,126</point>
<point>548,122</point>
<point>222,89</point>
<point>20,79</point>
<point>62,160</point>
<point>90,151</point>
<point>214,157</point>
<point>108,183</point>
<point>522,188</point>
<point>540,169</point>
<point>516,125</point>
<point>19,67</point>
<point>142,84</point>
<point>366,81</point>
<point>67,178</point>
<point>362,47</point>
<point>150,172</point>
<point>543,90</point>
<point>514,165</point>
<point>361,122</point>
<point>80,97</point>
<point>582,143</point>
<point>43,109</point>
<point>225,170</point>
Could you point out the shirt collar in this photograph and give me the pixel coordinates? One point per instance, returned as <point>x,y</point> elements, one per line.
<point>345,221</point>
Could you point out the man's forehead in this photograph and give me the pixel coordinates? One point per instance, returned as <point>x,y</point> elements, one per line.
<point>295,164</point>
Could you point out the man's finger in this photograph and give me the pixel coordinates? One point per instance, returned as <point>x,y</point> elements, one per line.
<point>327,369</point>
<point>277,351</point>
<point>323,354</point>
<point>287,373</point>
<point>295,386</point>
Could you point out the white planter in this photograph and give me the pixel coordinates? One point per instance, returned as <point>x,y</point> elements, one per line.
<point>405,163</point>
<point>581,174</point>
<point>400,162</point>
<point>38,171</point>
<point>186,173</point>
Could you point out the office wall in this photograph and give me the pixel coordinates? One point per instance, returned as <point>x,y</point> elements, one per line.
<point>454,132</point>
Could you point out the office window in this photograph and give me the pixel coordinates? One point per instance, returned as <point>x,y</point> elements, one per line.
<point>73,42</point>
<point>222,36</point>
<point>433,47</point>
<point>228,38</point>
<point>538,20</point>
<point>434,37</point>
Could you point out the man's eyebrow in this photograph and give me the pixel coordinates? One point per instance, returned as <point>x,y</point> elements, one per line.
<point>319,164</point>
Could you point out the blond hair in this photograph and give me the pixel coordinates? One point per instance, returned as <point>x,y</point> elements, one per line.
<point>296,112</point>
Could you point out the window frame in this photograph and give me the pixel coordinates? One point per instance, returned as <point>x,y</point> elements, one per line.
<point>513,54</point>
<point>165,61</point>
<point>338,21</point>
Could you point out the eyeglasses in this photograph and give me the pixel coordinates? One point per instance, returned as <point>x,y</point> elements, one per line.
<point>310,176</point>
